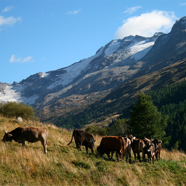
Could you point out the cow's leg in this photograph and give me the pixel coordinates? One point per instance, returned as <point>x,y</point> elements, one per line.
<point>112,152</point>
<point>117,156</point>
<point>23,143</point>
<point>134,156</point>
<point>77,146</point>
<point>44,143</point>
<point>139,157</point>
<point>156,154</point>
<point>122,154</point>
<point>92,151</point>
<point>144,157</point>
<point>86,149</point>
<point>108,155</point>
<point>107,152</point>
<point>81,143</point>
<point>149,158</point>
<point>128,157</point>
<point>153,159</point>
<point>121,157</point>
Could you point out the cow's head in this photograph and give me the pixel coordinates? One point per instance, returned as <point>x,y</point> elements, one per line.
<point>7,137</point>
<point>131,137</point>
<point>99,149</point>
<point>150,147</point>
<point>92,144</point>
<point>157,142</point>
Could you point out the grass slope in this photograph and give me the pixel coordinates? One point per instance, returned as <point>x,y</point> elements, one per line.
<point>63,165</point>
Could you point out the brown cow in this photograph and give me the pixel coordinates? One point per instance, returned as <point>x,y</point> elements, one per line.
<point>83,139</point>
<point>137,146</point>
<point>149,149</point>
<point>111,144</point>
<point>158,148</point>
<point>30,134</point>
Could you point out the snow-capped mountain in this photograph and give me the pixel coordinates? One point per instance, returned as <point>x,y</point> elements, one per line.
<point>116,54</point>
<point>80,84</point>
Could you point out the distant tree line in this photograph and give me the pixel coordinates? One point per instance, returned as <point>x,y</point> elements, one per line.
<point>171,101</point>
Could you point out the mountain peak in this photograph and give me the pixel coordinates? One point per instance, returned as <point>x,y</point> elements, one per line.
<point>180,25</point>
<point>183,20</point>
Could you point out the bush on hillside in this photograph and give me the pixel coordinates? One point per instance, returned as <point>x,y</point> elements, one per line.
<point>120,128</point>
<point>102,131</point>
<point>13,109</point>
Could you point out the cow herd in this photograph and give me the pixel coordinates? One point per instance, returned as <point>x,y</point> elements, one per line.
<point>109,145</point>
<point>121,145</point>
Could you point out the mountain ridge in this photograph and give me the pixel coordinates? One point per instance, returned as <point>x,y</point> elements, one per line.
<point>70,89</point>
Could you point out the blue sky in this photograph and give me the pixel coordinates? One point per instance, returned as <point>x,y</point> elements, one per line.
<point>44,35</point>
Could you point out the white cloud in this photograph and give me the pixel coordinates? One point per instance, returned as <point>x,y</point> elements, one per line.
<point>147,24</point>
<point>14,59</point>
<point>7,9</point>
<point>8,20</point>
<point>74,12</point>
<point>132,9</point>
<point>183,4</point>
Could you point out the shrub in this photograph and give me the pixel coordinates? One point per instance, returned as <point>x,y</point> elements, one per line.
<point>13,109</point>
<point>102,131</point>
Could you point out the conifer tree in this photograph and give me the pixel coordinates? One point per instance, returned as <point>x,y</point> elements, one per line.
<point>145,119</point>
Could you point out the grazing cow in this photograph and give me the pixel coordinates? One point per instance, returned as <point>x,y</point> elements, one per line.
<point>83,139</point>
<point>30,134</point>
<point>137,146</point>
<point>127,149</point>
<point>149,149</point>
<point>158,148</point>
<point>111,144</point>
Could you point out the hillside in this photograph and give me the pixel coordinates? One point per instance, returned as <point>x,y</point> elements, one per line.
<point>115,102</point>
<point>63,165</point>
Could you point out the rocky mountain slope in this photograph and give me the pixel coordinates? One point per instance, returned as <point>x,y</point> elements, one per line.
<point>71,89</point>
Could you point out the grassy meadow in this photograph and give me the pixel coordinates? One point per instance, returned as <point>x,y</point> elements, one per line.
<point>64,165</point>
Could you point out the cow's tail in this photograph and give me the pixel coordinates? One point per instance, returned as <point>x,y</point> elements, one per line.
<point>123,143</point>
<point>71,138</point>
<point>122,149</point>
<point>47,137</point>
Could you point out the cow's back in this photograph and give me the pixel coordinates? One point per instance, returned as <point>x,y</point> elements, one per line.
<point>30,134</point>
<point>111,143</point>
<point>137,145</point>
<point>88,140</point>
